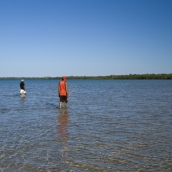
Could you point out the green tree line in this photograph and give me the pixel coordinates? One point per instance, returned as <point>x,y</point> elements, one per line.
<point>130,76</point>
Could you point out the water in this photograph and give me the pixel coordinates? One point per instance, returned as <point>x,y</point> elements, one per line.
<point>109,125</point>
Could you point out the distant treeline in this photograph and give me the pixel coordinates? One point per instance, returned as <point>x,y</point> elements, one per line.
<point>130,76</point>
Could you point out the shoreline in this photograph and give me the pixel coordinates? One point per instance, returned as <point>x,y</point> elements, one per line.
<point>108,77</point>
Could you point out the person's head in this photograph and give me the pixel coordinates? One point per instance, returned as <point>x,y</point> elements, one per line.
<point>22,80</point>
<point>64,78</point>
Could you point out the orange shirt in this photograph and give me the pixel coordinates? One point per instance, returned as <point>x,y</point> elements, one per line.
<point>63,90</point>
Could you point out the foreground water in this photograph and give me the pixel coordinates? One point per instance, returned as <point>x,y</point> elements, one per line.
<point>119,125</point>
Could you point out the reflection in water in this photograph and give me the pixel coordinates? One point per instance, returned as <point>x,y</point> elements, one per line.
<point>128,131</point>
<point>22,97</point>
<point>63,135</point>
<point>22,100</point>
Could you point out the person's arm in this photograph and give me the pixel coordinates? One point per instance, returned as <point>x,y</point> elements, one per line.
<point>66,89</point>
<point>24,86</point>
<point>59,89</point>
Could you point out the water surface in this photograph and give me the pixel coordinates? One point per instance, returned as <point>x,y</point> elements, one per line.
<point>109,125</point>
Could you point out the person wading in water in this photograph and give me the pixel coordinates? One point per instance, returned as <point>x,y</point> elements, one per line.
<point>63,92</point>
<point>22,87</point>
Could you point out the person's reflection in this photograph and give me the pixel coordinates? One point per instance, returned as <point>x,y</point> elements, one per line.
<point>22,100</point>
<point>63,135</point>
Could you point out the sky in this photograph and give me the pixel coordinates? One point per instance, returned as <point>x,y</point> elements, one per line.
<point>40,38</point>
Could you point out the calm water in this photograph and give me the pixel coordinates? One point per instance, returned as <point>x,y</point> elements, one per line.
<point>119,125</point>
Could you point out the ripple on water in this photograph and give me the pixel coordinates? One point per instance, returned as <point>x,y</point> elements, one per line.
<point>127,127</point>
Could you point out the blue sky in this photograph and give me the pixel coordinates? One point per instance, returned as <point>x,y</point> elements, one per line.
<point>85,37</point>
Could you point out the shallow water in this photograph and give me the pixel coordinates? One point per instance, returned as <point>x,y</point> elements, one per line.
<point>109,125</point>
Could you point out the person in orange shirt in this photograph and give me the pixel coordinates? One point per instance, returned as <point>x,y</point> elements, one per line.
<point>63,92</point>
